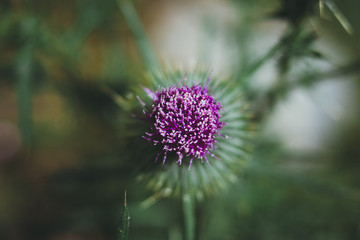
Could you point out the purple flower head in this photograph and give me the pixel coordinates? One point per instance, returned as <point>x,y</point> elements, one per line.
<point>184,120</point>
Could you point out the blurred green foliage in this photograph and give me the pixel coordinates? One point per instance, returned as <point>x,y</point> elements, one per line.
<point>61,63</point>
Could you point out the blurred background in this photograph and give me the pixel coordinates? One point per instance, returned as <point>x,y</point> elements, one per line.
<point>64,164</point>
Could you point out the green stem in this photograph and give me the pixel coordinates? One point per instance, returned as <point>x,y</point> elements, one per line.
<point>133,21</point>
<point>189,216</point>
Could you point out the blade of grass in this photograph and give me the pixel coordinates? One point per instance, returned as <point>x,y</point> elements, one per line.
<point>125,222</point>
<point>339,16</point>
<point>143,44</point>
<point>23,89</point>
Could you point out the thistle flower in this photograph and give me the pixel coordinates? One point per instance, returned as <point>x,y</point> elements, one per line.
<point>184,120</point>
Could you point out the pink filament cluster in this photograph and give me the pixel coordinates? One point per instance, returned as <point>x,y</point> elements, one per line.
<point>184,120</point>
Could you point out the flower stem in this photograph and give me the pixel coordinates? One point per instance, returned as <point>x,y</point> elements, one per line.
<point>189,216</point>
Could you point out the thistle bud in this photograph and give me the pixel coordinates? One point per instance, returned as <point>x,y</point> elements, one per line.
<point>190,118</point>
<point>184,120</point>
